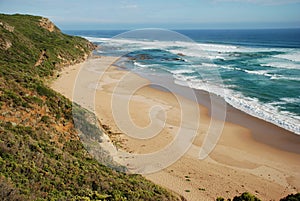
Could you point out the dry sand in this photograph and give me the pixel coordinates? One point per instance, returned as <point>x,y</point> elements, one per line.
<point>246,158</point>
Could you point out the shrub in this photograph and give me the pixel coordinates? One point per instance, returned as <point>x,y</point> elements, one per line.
<point>246,197</point>
<point>291,197</point>
<point>45,119</point>
<point>44,91</point>
<point>243,197</point>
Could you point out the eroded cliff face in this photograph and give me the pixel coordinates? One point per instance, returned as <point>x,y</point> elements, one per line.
<point>47,24</point>
<point>7,26</point>
<point>5,43</point>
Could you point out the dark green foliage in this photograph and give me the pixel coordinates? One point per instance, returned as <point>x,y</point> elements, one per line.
<point>246,197</point>
<point>292,197</point>
<point>45,119</point>
<point>41,156</point>
<point>243,197</point>
<point>44,91</point>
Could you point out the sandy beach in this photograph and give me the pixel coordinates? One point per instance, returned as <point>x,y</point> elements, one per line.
<point>251,154</point>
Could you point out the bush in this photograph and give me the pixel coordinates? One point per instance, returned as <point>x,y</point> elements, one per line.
<point>45,119</point>
<point>45,91</point>
<point>246,197</point>
<point>243,197</point>
<point>291,197</point>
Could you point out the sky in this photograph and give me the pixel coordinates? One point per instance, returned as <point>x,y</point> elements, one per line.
<point>170,14</point>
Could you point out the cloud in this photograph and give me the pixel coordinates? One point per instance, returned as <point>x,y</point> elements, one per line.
<point>264,2</point>
<point>130,6</point>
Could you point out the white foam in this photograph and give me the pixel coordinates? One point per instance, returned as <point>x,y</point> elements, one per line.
<point>210,65</point>
<point>280,77</point>
<point>96,39</point>
<point>218,48</point>
<point>229,67</point>
<point>277,103</point>
<point>258,72</point>
<point>268,112</point>
<point>188,48</point>
<point>290,100</point>
<point>191,48</point>
<point>140,65</point>
<point>180,71</point>
<point>151,67</point>
<point>286,65</point>
<point>205,46</point>
<point>294,56</point>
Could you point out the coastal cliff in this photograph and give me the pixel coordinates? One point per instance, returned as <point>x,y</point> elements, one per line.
<point>41,155</point>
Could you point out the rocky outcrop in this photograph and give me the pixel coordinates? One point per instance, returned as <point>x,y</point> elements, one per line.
<point>7,27</point>
<point>41,59</point>
<point>47,24</point>
<point>5,44</point>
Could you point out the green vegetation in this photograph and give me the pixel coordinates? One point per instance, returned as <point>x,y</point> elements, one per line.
<point>246,197</point>
<point>291,197</point>
<point>41,156</point>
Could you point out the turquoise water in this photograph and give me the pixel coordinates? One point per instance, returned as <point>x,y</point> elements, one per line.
<point>256,71</point>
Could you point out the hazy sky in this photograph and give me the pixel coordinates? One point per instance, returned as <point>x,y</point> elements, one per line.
<point>174,14</point>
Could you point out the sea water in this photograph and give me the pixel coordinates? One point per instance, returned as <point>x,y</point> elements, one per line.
<point>256,71</point>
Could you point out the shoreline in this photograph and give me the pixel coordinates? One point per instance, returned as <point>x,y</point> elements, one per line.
<point>238,163</point>
<point>272,134</point>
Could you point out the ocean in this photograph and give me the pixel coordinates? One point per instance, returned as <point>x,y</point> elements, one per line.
<point>255,71</point>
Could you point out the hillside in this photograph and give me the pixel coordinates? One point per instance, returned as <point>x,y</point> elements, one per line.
<point>41,156</point>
